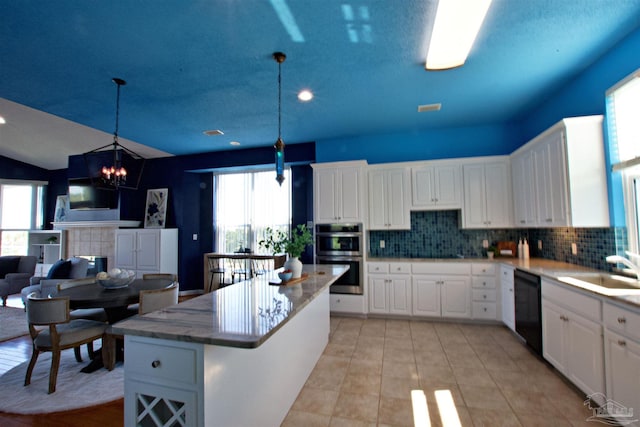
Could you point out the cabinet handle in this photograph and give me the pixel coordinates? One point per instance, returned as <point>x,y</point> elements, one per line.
<point>484,283</point>
<point>484,296</point>
<point>622,320</point>
<point>510,290</point>
<point>155,363</point>
<point>522,221</point>
<point>622,343</point>
<point>485,309</point>
<point>548,220</point>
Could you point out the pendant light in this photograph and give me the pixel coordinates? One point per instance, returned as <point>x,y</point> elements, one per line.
<point>114,174</point>
<point>279,57</point>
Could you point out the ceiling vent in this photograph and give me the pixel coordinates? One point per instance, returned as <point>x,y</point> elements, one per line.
<point>213,132</point>
<point>429,107</point>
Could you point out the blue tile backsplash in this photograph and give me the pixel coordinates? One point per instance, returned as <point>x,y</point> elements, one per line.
<point>436,234</point>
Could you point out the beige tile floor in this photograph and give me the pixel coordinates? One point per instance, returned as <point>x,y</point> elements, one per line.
<point>370,366</point>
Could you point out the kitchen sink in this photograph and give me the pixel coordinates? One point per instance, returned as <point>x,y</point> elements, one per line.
<point>609,281</point>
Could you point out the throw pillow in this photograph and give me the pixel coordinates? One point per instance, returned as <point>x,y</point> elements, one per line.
<point>60,270</point>
<point>8,264</point>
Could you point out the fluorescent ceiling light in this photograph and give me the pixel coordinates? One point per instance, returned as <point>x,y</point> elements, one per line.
<point>455,29</point>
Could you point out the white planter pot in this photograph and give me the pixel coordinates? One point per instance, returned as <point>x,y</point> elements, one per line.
<point>295,265</point>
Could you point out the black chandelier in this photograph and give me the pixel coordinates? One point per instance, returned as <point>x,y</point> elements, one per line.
<point>114,166</point>
<point>279,145</point>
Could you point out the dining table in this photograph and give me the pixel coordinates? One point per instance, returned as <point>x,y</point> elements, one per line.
<point>114,301</point>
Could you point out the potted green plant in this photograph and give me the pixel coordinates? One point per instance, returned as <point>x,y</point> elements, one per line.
<point>491,252</point>
<point>51,240</point>
<point>277,242</point>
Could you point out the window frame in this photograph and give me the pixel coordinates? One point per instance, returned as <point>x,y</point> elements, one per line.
<point>628,168</point>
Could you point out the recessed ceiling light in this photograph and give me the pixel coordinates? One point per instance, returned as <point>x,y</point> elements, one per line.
<point>213,132</point>
<point>305,95</point>
<point>234,143</point>
<point>429,107</point>
<point>2,120</point>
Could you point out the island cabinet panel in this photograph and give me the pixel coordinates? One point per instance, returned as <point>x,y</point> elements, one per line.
<point>217,385</point>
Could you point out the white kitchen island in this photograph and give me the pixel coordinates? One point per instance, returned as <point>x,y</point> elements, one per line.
<point>238,356</point>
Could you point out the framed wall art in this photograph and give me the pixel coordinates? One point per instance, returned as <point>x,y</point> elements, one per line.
<point>156,208</point>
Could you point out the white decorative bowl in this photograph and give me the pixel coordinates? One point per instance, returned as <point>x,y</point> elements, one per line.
<point>115,283</point>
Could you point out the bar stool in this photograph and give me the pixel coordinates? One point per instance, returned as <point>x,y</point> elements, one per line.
<point>216,267</point>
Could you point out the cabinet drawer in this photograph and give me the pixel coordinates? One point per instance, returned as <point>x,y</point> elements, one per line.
<point>440,268</point>
<point>163,362</point>
<point>484,269</point>
<point>484,295</point>
<point>587,306</point>
<point>378,267</point>
<point>624,321</point>
<point>483,282</point>
<point>484,310</point>
<point>399,268</point>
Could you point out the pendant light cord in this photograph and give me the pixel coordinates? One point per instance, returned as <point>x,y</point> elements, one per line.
<point>279,98</point>
<point>115,133</point>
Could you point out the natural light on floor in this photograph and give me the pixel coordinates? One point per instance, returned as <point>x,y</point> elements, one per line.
<point>446,408</point>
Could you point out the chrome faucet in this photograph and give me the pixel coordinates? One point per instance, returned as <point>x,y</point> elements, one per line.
<point>617,259</point>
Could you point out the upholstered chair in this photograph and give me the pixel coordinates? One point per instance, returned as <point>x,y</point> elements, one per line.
<point>59,332</point>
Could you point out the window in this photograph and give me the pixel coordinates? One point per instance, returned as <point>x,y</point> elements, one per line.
<point>245,204</point>
<point>21,209</point>
<point>623,104</point>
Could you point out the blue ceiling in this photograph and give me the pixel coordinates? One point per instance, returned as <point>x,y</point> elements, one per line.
<point>193,66</point>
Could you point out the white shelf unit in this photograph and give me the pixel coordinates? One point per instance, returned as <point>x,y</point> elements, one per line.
<point>46,253</point>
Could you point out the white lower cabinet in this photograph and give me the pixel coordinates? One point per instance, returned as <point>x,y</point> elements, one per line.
<point>441,290</point>
<point>507,301</point>
<point>571,341</point>
<point>622,358</point>
<point>341,303</point>
<point>484,291</point>
<point>389,288</point>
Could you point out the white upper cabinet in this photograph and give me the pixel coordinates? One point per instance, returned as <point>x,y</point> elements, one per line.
<point>524,191</point>
<point>436,185</point>
<point>487,194</point>
<point>566,166</point>
<point>338,192</point>
<point>389,199</point>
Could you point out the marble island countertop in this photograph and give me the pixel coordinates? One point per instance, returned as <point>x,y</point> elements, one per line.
<point>555,270</point>
<point>241,315</point>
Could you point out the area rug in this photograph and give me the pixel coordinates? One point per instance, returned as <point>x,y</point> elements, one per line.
<point>74,389</point>
<point>13,323</point>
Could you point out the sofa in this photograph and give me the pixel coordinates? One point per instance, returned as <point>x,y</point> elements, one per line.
<point>73,268</point>
<point>15,273</point>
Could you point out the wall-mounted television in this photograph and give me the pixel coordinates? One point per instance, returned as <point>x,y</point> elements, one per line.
<point>84,196</point>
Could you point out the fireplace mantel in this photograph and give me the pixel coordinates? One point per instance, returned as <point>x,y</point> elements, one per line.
<point>79,224</point>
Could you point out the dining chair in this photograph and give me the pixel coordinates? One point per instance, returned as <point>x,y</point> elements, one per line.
<point>155,299</point>
<point>239,268</point>
<point>152,276</point>
<point>150,300</point>
<point>59,332</point>
<point>97,314</point>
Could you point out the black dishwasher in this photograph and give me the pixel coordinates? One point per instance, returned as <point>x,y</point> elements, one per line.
<point>527,305</point>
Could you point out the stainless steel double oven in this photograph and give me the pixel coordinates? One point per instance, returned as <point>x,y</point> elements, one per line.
<point>342,244</point>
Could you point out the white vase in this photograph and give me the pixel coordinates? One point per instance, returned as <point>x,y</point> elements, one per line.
<point>295,265</point>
